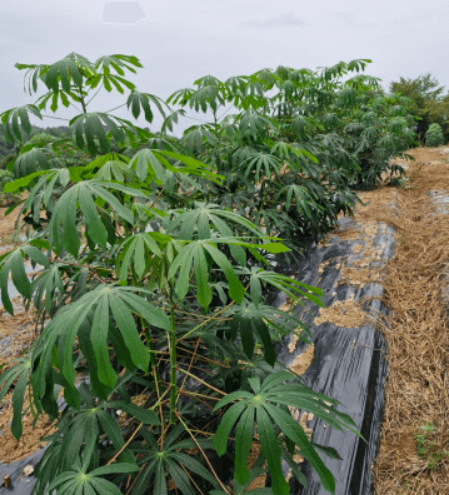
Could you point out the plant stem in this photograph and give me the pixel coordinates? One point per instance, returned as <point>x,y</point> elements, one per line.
<point>172,349</point>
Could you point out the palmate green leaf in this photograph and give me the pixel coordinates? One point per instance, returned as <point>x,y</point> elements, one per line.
<point>127,326</point>
<point>112,429</point>
<point>138,249</point>
<point>10,119</point>
<point>201,267</point>
<point>95,165</point>
<point>191,251</point>
<point>66,70</point>
<point>269,442</point>
<point>11,374</point>
<point>194,466</point>
<point>43,191</point>
<point>116,170</point>
<point>255,86</point>
<point>153,315</point>
<point>87,126</point>
<point>252,123</point>
<point>196,138</point>
<point>244,101</point>
<point>265,163</point>
<point>279,322</point>
<point>118,62</point>
<point>205,97</point>
<point>55,95</point>
<point>104,301</point>
<point>205,217</point>
<point>54,99</point>
<point>171,457</point>
<point>86,483</point>
<point>275,391</point>
<point>137,100</point>
<point>194,252</point>
<point>236,83</point>
<point>236,289</point>
<point>63,225</point>
<point>144,477</point>
<point>99,338</point>
<point>115,468</point>
<point>32,161</point>
<point>301,399</point>
<point>74,436</point>
<point>13,264</point>
<point>160,484</point>
<point>181,96</point>
<point>149,164</point>
<point>241,489</point>
<point>116,81</point>
<point>294,466</point>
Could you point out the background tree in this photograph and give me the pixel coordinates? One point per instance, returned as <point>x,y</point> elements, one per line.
<point>434,136</point>
<point>426,97</point>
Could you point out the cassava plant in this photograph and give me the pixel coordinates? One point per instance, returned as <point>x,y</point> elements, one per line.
<point>158,334</point>
<point>294,144</point>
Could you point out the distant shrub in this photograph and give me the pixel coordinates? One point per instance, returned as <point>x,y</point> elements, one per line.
<point>6,198</point>
<point>434,135</point>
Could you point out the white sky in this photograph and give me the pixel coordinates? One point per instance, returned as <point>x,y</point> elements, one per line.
<point>178,41</point>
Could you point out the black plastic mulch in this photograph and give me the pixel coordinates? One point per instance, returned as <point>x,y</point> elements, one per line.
<point>349,365</point>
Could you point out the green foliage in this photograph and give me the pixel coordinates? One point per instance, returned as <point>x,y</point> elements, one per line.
<point>6,177</point>
<point>428,448</point>
<point>426,102</point>
<point>155,257</point>
<point>434,136</point>
<point>260,407</point>
<point>292,159</point>
<point>78,480</point>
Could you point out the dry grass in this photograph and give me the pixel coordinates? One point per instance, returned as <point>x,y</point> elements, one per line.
<point>417,331</point>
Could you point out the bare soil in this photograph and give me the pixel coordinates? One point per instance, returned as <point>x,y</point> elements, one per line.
<point>8,232</point>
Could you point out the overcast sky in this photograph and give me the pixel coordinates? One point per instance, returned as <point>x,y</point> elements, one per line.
<point>178,41</point>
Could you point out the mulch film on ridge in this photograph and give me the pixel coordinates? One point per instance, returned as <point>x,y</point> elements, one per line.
<point>417,332</point>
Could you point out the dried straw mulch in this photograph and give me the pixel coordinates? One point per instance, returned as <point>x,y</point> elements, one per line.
<point>417,331</point>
